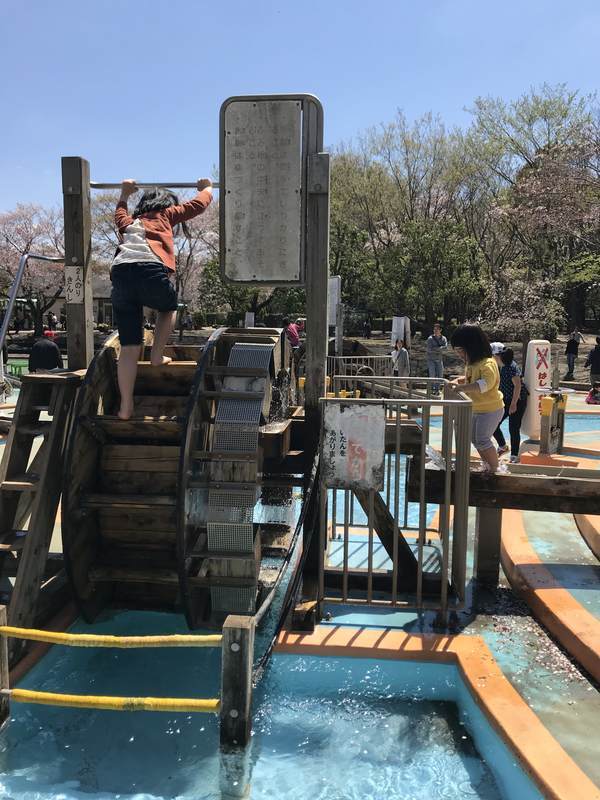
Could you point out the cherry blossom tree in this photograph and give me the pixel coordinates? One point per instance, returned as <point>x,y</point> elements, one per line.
<point>31,228</point>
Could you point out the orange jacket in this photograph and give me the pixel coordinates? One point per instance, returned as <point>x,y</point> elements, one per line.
<point>158,225</point>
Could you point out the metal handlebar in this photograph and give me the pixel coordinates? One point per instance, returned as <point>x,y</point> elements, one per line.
<point>96,185</point>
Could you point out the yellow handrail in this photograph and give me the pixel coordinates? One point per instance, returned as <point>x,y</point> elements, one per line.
<point>211,705</point>
<point>94,640</point>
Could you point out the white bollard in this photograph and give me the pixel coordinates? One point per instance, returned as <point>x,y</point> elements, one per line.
<point>538,375</point>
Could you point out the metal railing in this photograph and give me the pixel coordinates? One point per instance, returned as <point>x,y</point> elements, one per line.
<point>359,365</point>
<point>146,185</point>
<point>423,434</point>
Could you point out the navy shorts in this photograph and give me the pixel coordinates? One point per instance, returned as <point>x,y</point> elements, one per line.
<point>137,285</point>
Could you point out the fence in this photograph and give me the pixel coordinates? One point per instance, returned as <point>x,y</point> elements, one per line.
<point>359,365</point>
<point>237,647</point>
<point>389,547</point>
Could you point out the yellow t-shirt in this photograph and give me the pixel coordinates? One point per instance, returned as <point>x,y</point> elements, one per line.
<point>491,399</point>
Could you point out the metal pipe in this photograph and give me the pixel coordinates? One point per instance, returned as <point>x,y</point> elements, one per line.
<point>159,185</point>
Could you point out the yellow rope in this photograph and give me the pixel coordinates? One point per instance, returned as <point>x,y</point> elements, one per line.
<point>114,703</point>
<point>92,640</point>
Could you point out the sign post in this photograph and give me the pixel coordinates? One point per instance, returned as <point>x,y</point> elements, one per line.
<point>78,275</point>
<point>538,375</point>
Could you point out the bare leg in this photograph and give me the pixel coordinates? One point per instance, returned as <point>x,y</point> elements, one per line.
<point>490,457</point>
<point>164,325</point>
<point>126,372</point>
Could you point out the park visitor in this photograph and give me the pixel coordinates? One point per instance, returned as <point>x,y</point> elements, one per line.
<point>436,344</point>
<point>572,351</point>
<point>514,393</point>
<point>593,397</point>
<point>400,359</point>
<point>45,354</point>
<point>593,362</point>
<point>481,383</point>
<point>141,271</point>
<point>291,331</point>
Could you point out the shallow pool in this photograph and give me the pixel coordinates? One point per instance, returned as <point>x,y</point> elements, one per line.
<point>324,728</point>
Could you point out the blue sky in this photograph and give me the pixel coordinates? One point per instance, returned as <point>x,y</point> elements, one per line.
<point>136,87</point>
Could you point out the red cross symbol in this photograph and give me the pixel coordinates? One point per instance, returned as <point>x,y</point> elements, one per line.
<point>542,357</point>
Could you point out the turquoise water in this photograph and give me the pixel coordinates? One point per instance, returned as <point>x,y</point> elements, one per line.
<point>323,729</point>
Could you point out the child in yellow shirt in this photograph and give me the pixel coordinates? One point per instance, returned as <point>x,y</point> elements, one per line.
<point>481,383</point>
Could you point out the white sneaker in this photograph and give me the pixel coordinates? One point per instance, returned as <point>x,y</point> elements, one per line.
<point>514,459</point>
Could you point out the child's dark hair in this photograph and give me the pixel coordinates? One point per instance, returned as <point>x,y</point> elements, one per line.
<point>157,200</point>
<point>507,356</point>
<point>286,322</point>
<point>473,341</point>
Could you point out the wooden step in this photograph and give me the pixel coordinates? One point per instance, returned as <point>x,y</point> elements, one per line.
<point>135,537</point>
<point>140,458</point>
<point>174,379</point>
<point>130,575</point>
<point>20,483</point>
<point>139,428</point>
<point>141,501</point>
<point>12,541</point>
<point>160,405</point>
<point>33,428</point>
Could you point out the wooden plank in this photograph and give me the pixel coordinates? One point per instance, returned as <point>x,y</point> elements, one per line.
<point>275,439</point>
<point>144,501</point>
<point>488,534</point>
<point>138,482</point>
<point>140,519</point>
<point>159,406</point>
<point>171,379</point>
<point>141,429</point>
<point>523,492</point>
<point>146,537</point>
<point>19,485</point>
<point>236,680</point>
<point>144,453</point>
<point>78,245</point>
<point>124,575</point>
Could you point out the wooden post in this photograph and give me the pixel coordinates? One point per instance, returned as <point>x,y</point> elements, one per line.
<point>488,530</point>
<point>4,673</point>
<point>236,680</point>
<point>317,275</point>
<point>78,276</point>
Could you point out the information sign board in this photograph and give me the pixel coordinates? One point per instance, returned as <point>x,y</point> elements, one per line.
<point>261,191</point>
<point>353,446</point>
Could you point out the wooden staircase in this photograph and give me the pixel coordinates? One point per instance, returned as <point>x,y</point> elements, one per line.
<point>30,487</point>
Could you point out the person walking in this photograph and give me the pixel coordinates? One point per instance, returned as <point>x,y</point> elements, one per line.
<point>514,393</point>
<point>481,383</point>
<point>141,271</point>
<point>436,344</point>
<point>593,362</point>
<point>572,351</point>
<point>400,360</point>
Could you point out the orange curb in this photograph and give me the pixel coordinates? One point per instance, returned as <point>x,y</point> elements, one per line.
<point>576,629</point>
<point>541,756</point>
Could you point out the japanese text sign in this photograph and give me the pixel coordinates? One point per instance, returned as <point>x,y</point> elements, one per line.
<point>353,445</point>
